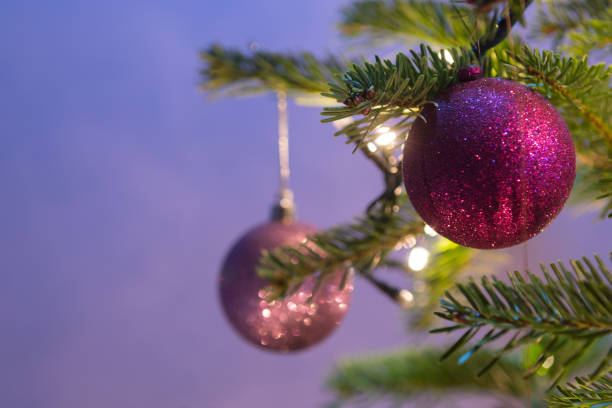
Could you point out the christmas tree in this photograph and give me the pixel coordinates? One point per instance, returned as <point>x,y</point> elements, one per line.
<point>474,122</point>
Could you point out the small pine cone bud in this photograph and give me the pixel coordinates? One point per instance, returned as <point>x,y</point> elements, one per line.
<point>366,110</point>
<point>469,73</point>
<point>357,99</point>
<point>369,93</point>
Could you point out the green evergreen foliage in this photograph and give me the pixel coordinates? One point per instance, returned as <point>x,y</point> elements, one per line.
<point>436,22</point>
<point>560,320</point>
<point>584,393</point>
<point>578,90</point>
<point>237,73</point>
<point>595,35</point>
<point>406,373</point>
<point>580,26</point>
<point>356,244</point>
<point>400,89</point>
<point>567,308</point>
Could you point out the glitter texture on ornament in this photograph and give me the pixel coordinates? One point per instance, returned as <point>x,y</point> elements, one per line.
<point>492,166</point>
<point>288,324</point>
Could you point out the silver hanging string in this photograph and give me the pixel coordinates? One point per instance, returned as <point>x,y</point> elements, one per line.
<point>283,141</point>
<point>284,210</point>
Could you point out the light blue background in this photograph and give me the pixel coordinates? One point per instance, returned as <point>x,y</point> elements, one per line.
<point>122,187</point>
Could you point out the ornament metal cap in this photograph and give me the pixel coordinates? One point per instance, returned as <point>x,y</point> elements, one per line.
<point>469,73</point>
<point>284,209</point>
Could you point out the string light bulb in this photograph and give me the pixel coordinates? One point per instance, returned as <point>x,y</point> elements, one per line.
<point>418,258</point>
<point>548,362</point>
<point>405,298</point>
<point>385,136</point>
<point>430,231</point>
<point>448,57</point>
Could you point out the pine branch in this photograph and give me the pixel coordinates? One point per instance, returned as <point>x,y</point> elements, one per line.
<point>595,34</point>
<point>399,89</point>
<point>355,244</point>
<point>571,83</point>
<point>230,70</point>
<point>562,19</point>
<point>564,306</point>
<point>439,23</point>
<point>402,87</point>
<point>405,373</point>
<point>234,72</point>
<point>584,393</point>
<point>238,73</point>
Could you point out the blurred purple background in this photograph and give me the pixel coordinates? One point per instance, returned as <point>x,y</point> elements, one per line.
<point>123,187</point>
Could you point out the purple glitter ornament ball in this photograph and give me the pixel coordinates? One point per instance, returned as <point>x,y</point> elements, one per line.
<point>492,165</point>
<point>283,325</point>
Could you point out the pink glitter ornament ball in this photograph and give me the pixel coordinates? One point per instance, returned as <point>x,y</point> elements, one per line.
<point>283,325</point>
<point>492,165</point>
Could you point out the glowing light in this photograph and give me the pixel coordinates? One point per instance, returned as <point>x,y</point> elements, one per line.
<point>448,57</point>
<point>430,231</point>
<point>266,313</point>
<point>405,298</point>
<point>385,136</point>
<point>549,362</point>
<point>418,258</point>
<point>372,147</point>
